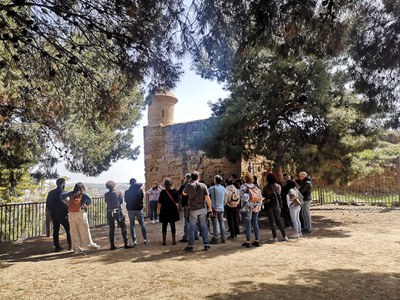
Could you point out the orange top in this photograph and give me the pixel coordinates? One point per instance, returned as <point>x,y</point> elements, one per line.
<point>74,204</point>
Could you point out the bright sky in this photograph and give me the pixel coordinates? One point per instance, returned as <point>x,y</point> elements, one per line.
<point>193,93</point>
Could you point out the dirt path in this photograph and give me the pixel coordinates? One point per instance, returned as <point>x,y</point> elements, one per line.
<point>351,254</point>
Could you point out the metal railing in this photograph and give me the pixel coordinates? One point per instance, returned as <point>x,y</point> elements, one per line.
<point>27,220</point>
<point>381,189</point>
<point>338,195</point>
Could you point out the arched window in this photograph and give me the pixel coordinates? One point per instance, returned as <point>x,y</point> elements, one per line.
<point>162,113</point>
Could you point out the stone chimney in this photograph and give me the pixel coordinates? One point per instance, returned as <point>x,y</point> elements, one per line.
<point>161,110</point>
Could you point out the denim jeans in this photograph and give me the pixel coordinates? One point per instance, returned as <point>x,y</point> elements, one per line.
<point>250,219</point>
<point>201,215</point>
<point>140,217</point>
<point>219,226</point>
<point>153,210</point>
<point>306,214</point>
<point>295,216</point>
<point>186,230</point>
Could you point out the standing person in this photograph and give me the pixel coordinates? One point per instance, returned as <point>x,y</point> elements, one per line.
<point>294,202</point>
<point>169,212</point>
<point>199,205</point>
<point>272,194</point>
<point>134,204</point>
<point>59,214</point>
<point>237,182</point>
<point>217,195</point>
<point>78,201</point>
<point>232,200</point>
<point>306,190</point>
<point>285,214</point>
<point>154,193</point>
<point>185,207</point>
<point>251,201</point>
<point>114,214</point>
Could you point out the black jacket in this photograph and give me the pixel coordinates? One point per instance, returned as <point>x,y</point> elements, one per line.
<point>134,197</point>
<point>306,188</point>
<point>54,204</point>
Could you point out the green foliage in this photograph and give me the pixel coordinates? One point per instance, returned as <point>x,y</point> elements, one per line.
<point>17,183</point>
<point>71,76</point>
<point>311,83</point>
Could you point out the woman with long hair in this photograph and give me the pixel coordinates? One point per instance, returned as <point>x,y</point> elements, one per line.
<point>78,201</point>
<point>272,194</point>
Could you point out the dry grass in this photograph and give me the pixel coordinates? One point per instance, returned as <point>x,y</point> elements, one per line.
<point>350,255</point>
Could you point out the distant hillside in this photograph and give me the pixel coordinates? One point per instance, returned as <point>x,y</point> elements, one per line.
<point>99,189</point>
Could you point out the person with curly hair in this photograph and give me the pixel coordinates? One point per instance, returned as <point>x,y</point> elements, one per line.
<point>114,214</point>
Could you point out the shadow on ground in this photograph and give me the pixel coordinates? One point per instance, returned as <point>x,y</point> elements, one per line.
<point>313,284</point>
<point>41,249</point>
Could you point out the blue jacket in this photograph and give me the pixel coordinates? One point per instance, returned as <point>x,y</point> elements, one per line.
<point>134,197</point>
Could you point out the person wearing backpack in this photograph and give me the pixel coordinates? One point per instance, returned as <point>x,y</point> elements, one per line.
<point>271,192</point>
<point>294,200</point>
<point>232,200</point>
<point>251,201</point>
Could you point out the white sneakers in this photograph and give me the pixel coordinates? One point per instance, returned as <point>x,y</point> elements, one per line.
<point>94,246</point>
<point>274,240</point>
<point>294,236</point>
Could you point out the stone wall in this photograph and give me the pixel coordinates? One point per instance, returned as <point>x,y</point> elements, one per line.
<point>258,166</point>
<point>170,151</point>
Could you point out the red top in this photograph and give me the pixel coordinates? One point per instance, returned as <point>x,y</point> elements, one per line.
<point>74,204</point>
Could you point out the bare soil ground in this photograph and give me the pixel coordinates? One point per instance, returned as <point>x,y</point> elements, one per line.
<point>351,254</point>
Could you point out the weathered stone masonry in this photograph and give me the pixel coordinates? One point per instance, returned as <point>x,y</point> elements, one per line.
<point>170,150</point>
<point>168,153</point>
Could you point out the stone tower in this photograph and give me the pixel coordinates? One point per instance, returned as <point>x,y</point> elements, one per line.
<point>161,110</point>
<point>171,150</point>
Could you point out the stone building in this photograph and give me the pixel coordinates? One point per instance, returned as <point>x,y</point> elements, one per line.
<point>170,151</point>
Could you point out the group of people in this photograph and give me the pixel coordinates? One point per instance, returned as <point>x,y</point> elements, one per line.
<point>238,200</point>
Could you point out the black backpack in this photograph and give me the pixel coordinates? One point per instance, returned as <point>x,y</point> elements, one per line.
<point>273,200</point>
